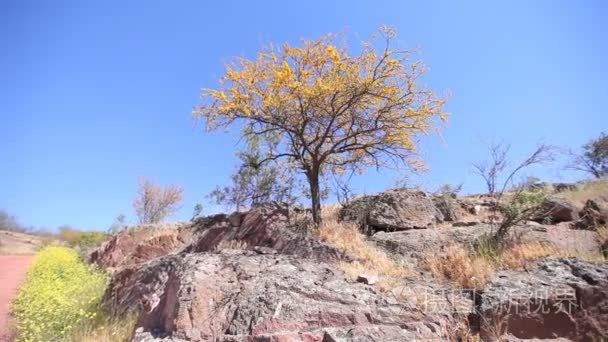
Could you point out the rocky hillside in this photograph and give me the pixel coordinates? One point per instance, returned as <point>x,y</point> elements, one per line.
<point>374,273</point>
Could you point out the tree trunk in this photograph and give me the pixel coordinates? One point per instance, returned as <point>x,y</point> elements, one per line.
<point>315,195</point>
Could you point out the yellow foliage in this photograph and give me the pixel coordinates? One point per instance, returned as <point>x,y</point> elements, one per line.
<point>60,293</point>
<point>364,100</point>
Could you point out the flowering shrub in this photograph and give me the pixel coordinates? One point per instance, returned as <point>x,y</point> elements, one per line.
<point>60,293</point>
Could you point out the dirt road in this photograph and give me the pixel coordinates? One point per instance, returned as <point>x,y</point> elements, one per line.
<point>12,272</point>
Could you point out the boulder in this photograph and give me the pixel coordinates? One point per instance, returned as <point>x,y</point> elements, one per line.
<point>449,207</point>
<point>244,296</point>
<point>555,210</point>
<point>393,210</point>
<point>593,214</point>
<point>554,298</point>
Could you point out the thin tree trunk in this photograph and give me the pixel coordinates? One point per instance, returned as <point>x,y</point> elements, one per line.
<point>315,195</point>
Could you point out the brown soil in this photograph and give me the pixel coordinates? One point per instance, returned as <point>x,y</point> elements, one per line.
<point>12,272</point>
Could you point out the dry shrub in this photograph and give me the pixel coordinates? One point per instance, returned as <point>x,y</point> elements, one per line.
<point>366,257</point>
<point>154,203</point>
<point>458,265</point>
<point>461,332</point>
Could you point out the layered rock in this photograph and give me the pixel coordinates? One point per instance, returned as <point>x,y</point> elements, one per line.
<point>281,229</point>
<point>244,296</point>
<point>554,298</point>
<point>393,210</point>
<point>142,243</point>
<point>417,245</point>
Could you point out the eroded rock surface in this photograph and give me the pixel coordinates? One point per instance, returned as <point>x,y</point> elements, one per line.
<point>281,229</point>
<point>554,298</point>
<point>244,296</point>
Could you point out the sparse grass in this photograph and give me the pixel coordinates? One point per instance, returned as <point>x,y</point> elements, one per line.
<point>366,257</point>
<point>584,192</point>
<point>602,238</point>
<point>105,329</point>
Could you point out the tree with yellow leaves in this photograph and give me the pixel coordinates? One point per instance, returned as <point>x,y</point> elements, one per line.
<point>331,110</point>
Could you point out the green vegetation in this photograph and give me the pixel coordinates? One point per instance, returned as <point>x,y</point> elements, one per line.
<point>61,294</point>
<point>594,157</point>
<point>82,239</point>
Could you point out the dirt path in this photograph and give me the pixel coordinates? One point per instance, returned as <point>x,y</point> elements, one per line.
<point>12,272</point>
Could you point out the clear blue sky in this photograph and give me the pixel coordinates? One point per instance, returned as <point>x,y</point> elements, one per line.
<point>94,94</point>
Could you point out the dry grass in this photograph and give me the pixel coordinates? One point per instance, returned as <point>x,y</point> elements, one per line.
<point>520,255</point>
<point>231,244</point>
<point>602,235</point>
<point>461,332</point>
<point>366,257</point>
<point>106,330</point>
<point>473,268</point>
<point>460,266</point>
<point>589,190</point>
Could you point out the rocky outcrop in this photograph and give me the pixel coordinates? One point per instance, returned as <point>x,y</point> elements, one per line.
<point>554,298</point>
<point>243,296</point>
<point>555,210</point>
<point>416,245</point>
<point>393,210</point>
<point>281,229</point>
<point>142,243</point>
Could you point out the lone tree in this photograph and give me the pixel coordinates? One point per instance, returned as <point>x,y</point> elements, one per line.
<point>331,110</point>
<point>154,203</point>
<point>594,158</point>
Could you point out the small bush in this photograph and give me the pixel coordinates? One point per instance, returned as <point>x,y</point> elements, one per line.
<point>60,294</point>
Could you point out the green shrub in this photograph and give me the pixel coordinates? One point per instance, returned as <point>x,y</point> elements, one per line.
<point>82,239</point>
<point>60,293</point>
